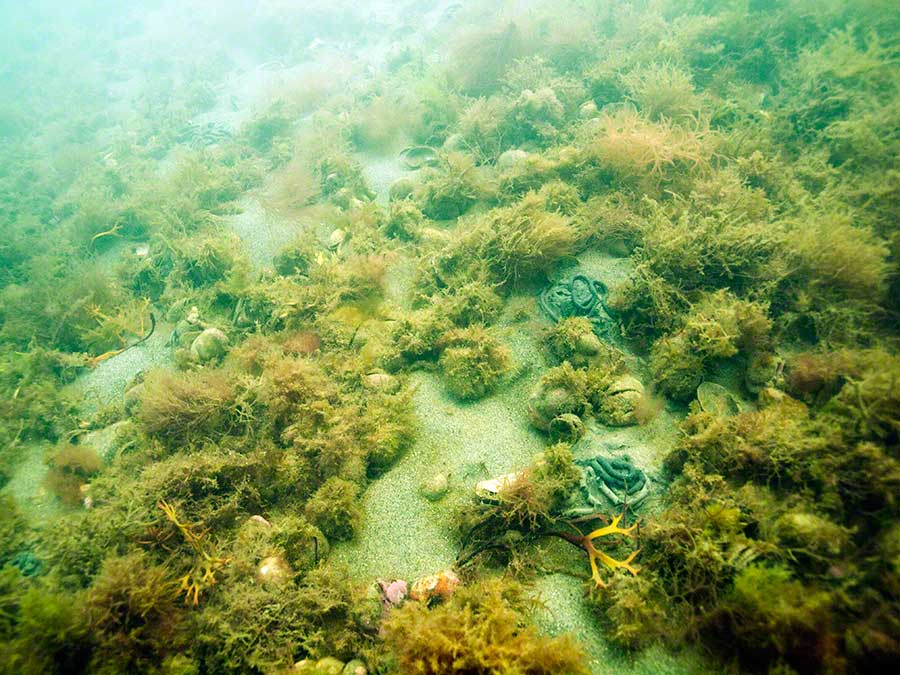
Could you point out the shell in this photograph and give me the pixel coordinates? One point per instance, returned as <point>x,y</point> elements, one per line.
<point>626,383</point>
<point>489,489</point>
<point>438,586</point>
<point>381,382</point>
<point>336,238</point>
<point>417,156</point>
<point>717,400</point>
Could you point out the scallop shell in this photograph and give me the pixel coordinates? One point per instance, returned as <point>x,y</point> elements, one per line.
<point>717,400</point>
<point>336,238</point>
<point>381,382</point>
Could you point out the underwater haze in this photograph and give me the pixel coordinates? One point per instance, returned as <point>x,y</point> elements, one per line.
<point>527,337</point>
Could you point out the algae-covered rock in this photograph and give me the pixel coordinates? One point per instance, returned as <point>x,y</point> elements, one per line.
<point>355,667</point>
<point>210,345</point>
<point>676,368</point>
<point>620,402</point>
<point>561,390</point>
<point>326,666</point>
<point>510,158</point>
<point>473,362</point>
<point>401,189</point>
<point>811,535</point>
<point>567,427</point>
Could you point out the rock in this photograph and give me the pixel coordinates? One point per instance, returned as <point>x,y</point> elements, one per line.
<point>108,440</point>
<point>259,520</point>
<point>401,189</point>
<point>455,143</point>
<point>771,396</point>
<point>588,344</point>
<point>588,110</point>
<point>567,427</point>
<point>510,158</point>
<point>355,667</point>
<point>620,402</point>
<point>329,666</point>
<point>761,371</point>
<point>133,397</point>
<point>546,404</point>
<point>210,345</point>
<point>436,487</point>
<point>274,570</point>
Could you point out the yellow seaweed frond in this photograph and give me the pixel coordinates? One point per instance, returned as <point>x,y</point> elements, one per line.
<point>594,554</point>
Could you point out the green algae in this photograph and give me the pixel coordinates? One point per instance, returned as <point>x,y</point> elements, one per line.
<point>725,170</point>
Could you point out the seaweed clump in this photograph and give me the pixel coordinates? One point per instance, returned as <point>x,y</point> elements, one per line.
<point>481,629</point>
<point>473,361</point>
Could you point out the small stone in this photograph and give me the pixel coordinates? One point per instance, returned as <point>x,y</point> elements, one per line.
<point>435,487</point>
<point>259,520</point>
<point>210,345</point>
